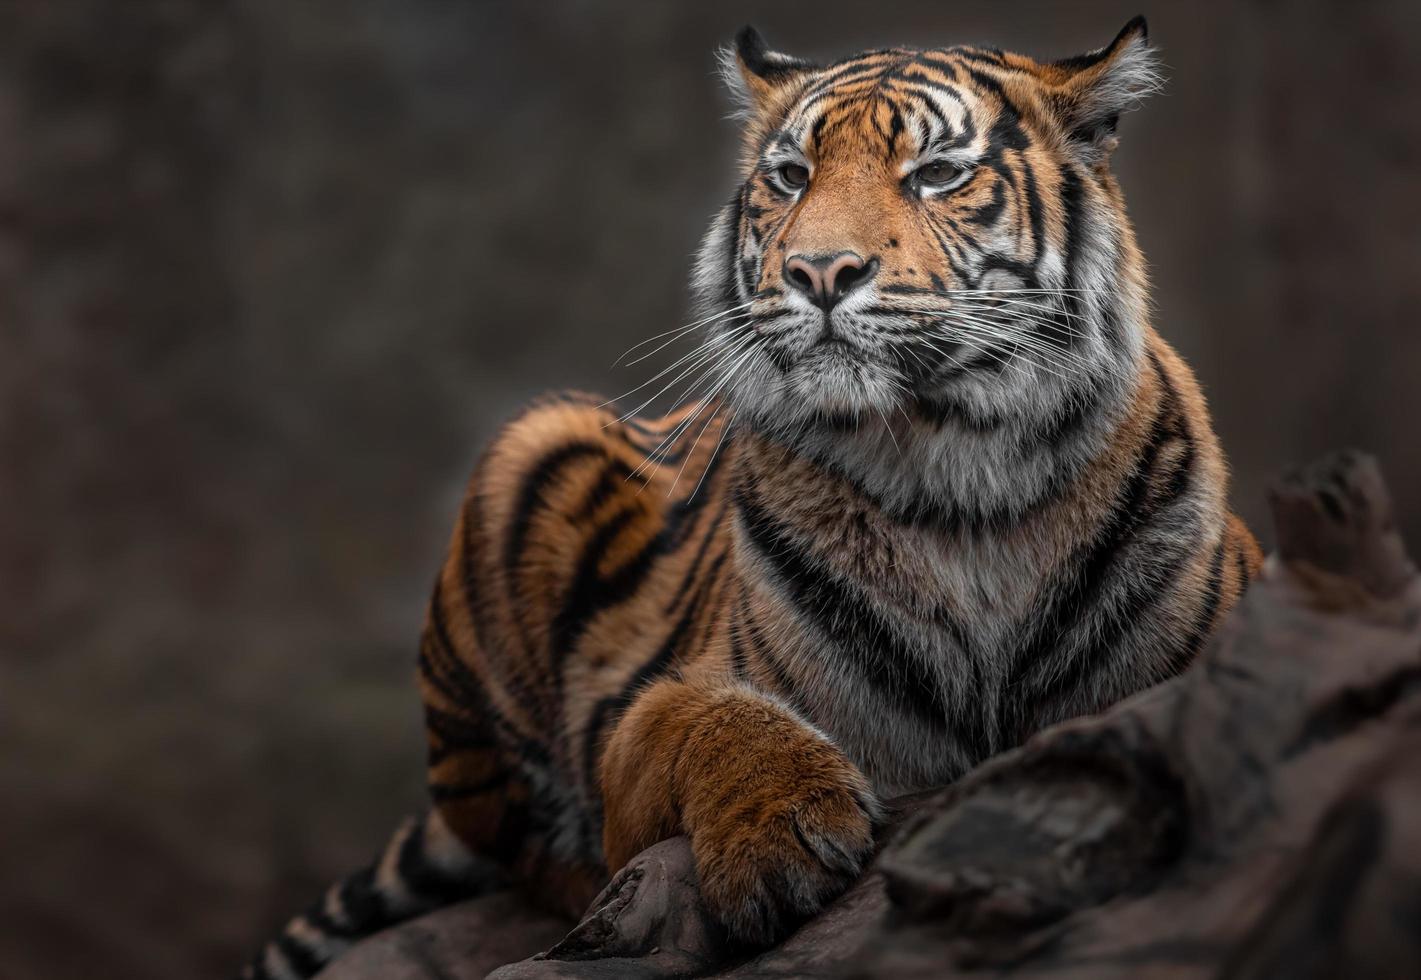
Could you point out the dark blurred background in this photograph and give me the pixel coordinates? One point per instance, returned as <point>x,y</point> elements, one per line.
<point>272,271</point>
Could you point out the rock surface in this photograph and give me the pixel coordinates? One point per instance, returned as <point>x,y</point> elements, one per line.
<point>461,942</point>
<point>1259,816</point>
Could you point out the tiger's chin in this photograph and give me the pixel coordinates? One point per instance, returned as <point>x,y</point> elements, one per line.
<point>830,384</point>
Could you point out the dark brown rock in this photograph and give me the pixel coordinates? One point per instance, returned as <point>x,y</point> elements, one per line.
<point>649,922</point>
<point>461,942</point>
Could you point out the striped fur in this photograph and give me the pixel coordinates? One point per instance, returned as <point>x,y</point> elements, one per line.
<point>978,496</point>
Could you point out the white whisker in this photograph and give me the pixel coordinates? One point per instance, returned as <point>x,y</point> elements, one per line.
<point>710,460</point>
<point>703,354</point>
<point>709,399</point>
<point>734,321</point>
<point>684,424</point>
<point>679,331</point>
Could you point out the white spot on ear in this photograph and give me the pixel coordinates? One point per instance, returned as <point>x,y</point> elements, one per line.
<point>1113,80</point>
<point>1131,75</point>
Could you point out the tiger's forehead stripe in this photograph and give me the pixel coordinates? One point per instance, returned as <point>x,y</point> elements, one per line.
<point>926,100</point>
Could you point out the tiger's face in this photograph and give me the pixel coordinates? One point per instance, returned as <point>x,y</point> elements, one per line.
<point>920,233</point>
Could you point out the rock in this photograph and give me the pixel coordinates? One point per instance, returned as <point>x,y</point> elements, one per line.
<point>1255,817</point>
<point>648,922</point>
<point>461,942</point>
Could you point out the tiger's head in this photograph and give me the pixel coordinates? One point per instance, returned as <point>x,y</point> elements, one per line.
<point>925,234</point>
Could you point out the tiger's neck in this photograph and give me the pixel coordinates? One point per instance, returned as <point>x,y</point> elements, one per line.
<point>931,466</point>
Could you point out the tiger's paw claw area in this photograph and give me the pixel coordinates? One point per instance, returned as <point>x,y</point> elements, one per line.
<point>768,860</point>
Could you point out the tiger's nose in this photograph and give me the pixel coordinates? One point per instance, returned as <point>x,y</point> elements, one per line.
<point>826,279</point>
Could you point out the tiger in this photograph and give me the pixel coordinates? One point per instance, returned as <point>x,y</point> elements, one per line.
<point>940,484</point>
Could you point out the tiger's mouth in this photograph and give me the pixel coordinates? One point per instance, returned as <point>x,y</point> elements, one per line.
<point>833,343</point>
<point>817,345</point>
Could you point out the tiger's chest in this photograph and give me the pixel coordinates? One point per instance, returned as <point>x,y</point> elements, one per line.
<point>892,639</point>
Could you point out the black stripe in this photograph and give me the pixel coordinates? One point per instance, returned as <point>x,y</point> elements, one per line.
<point>1130,511</point>
<point>614,476</point>
<point>473,698</point>
<point>361,903</point>
<point>1078,408</point>
<point>946,67</point>
<point>845,76</point>
<point>322,921</point>
<point>737,244</point>
<point>917,81</point>
<point>1193,640</point>
<point>816,132</point>
<point>671,449</point>
<point>917,88</point>
<point>895,127</point>
<point>609,709</point>
<point>980,55</point>
<point>1245,578</point>
<point>471,695</point>
<point>445,668</point>
<point>426,880</point>
<point>886,661</point>
<point>1141,588</point>
<point>458,732</point>
<point>530,496</point>
<point>987,214</point>
<point>429,672</point>
<point>1074,596</point>
<point>633,422</point>
<point>459,686</point>
<point>689,578</point>
<point>1144,581</point>
<point>470,551</point>
<point>1006,132</point>
<point>1072,194</point>
<point>591,593</point>
<point>1171,397</point>
<point>662,453</point>
<point>765,653</point>
<point>304,961</point>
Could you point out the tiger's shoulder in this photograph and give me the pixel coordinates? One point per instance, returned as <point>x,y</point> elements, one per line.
<point>571,457</point>
<point>575,506</point>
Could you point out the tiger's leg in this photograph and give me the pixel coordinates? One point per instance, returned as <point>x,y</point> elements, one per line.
<point>482,766</point>
<point>779,820</point>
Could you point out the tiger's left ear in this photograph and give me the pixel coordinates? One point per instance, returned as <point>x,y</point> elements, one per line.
<point>1091,90</point>
<point>757,77</point>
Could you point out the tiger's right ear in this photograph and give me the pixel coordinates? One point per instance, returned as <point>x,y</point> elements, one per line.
<point>757,77</point>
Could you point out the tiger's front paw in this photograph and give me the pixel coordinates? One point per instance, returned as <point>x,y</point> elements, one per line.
<point>771,856</point>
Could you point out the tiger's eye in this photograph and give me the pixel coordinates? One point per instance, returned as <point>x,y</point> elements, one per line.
<point>792,176</point>
<point>938,173</point>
